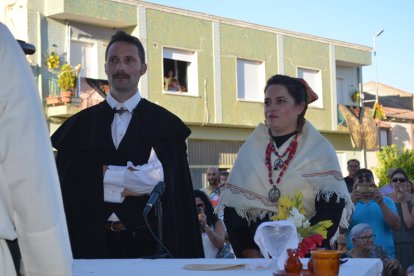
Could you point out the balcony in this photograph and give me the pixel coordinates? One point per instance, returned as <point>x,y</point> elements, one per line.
<point>102,13</point>
<point>56,108</point>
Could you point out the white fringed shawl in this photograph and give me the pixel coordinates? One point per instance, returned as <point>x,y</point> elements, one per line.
<point>314,170</point>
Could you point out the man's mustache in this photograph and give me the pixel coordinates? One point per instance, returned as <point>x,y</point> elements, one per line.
<point>121,75</point>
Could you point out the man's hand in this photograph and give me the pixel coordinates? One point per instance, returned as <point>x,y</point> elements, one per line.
<point>127,192</point>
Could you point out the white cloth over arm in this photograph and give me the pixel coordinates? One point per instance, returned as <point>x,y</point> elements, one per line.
<point>31,206</point>
<point>141,180</point>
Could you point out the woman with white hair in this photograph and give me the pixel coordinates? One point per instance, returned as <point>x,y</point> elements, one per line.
<point>362,238</point>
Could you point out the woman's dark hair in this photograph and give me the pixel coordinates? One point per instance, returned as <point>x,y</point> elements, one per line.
<point>401,171</point>
<point>296,89</point>
<point>211,217</point>
<point>123,36</point>
<point>363,173</point>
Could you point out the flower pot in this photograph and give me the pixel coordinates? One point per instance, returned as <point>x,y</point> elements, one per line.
<point>66,99</point>
<point>66,96</point>
<point>53,100</point>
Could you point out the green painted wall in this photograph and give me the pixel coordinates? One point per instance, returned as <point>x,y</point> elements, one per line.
<point>313,55</point>
<point>238,42</point>
<point>185,33</point>
<point>95,9</point>
<point>352,55</point>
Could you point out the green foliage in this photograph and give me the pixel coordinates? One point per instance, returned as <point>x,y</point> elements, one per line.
<point>392,157</point>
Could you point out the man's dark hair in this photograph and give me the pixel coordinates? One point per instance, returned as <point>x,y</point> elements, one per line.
<point>123,36</point>
<point>353,160</point>
<point>225,173</point>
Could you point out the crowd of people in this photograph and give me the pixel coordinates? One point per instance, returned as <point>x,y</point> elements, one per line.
<point>113,157</point>
<point>381,225</point>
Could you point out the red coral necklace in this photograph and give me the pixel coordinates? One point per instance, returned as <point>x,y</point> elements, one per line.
<point>274,193</point>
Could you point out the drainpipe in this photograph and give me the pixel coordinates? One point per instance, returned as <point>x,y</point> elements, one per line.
<point>39,56</point>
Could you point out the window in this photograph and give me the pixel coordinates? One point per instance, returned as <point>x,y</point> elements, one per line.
<point>314,79</point>
<point>384,137</point>
<point>180,71</point>
<point>250,80</point>
<point>86,54</point>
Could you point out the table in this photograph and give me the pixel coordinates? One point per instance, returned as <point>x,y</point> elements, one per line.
<point>174,267</point>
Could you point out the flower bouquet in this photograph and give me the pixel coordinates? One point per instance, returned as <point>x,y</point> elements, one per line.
<point>53,61</point>
<point>310,237</point>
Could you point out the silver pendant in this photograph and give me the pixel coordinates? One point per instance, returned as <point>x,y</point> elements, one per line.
<point>274,194</point>
<point>277,163</point>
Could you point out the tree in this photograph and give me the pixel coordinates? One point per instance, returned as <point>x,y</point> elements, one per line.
<point>392,157</point>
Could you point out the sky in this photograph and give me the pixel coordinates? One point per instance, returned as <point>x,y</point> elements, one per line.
<point>353,21</point>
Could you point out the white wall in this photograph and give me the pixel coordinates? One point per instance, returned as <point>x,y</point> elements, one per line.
<point>347,83</point>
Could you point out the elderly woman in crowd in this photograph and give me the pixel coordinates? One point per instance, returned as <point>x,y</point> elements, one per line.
<point>404,237</point>
<point>364,247</point>
<point>280,158</point>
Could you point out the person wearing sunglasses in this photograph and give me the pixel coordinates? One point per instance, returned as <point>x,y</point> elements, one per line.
<point>373,208</point>
<point>213,231</point>
<point>404,237</point>
<point>363,239</point>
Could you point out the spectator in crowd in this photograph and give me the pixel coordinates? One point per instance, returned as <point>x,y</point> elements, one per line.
<point>373,208</point>
<point>110,158</point>
<point>212,228</point>
<point>363,239</point>
<point>353,167</point>
<point>213,187</point>
<point>223,177</point>
<point>31,208</point>
<point>387,188</point>
<point>285,155</point>
<point>174,85</point>
<point>404,237</point>
<point>167,79</point>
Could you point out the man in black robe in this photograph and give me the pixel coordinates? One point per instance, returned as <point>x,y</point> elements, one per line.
<point>98,137</point>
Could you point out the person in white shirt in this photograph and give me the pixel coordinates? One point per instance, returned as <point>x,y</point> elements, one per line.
<point>31,207</point>
<point>110,157</point>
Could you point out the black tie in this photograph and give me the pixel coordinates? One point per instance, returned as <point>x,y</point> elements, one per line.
<point>120,111</point>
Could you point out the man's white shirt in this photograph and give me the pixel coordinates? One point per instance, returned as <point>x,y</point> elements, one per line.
<point>117,178</point>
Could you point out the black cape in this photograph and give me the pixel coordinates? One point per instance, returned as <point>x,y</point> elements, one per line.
<point>81,142</point>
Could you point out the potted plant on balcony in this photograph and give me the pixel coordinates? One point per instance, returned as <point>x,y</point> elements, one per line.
<point>53,63</point>
<point>67,79</point>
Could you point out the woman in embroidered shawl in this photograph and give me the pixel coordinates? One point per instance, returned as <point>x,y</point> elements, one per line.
<point>280,158</point>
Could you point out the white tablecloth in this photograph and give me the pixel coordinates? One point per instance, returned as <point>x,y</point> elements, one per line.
<point>174,267</point>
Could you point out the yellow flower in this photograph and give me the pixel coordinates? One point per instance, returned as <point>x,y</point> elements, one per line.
<point>53,61</point>
<point>285,204</point>
<point>378,111</point>
<point>293,210</point>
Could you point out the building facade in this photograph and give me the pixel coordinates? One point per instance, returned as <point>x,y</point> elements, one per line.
<point>221,64</point>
